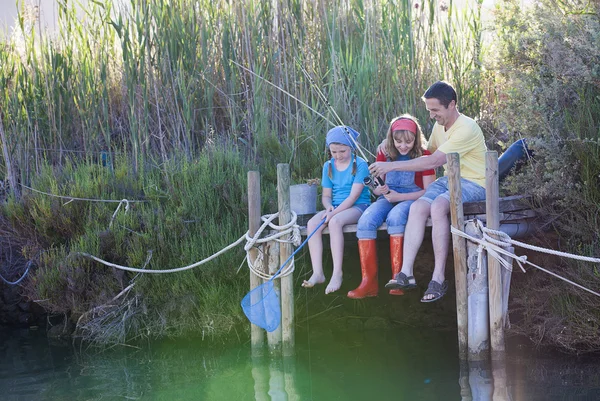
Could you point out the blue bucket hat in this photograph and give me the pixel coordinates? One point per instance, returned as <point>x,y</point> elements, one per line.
<point>340,134</point>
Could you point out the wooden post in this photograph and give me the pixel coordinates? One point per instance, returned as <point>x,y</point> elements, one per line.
<point>494,267</point>
<point>257,335</point>
<point>463,381</point>
<point>477,301</point>
<point>277,380</point>
<point>499,375</point>
<point>285,250</point>
<point>260,374</point>
<point>506,275</point>
<point>459,249</point>
<point>480,381</point>
<point>289,374</point>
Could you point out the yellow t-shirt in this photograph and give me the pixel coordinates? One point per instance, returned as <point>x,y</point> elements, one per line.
<point>465,138</point>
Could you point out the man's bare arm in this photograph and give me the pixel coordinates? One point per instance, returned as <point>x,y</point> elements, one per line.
<point>437,159</point>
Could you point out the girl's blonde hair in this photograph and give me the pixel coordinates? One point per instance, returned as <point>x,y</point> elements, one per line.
<point>420,141</point>
<point>329,157</point>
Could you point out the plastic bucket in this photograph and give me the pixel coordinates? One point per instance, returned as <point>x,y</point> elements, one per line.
<point>303,199</point>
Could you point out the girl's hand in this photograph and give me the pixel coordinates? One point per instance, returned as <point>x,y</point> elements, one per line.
<point>329,213</point>
<point>392,196</point>
<point>381,190</point>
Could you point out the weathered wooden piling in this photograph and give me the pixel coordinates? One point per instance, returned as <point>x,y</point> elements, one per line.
<point>285,250</point>
<point>494,266</point>
<point>257,334</point>
<point>274,254</point>
<point>459,249</point>
<point>477,302</point>
<point>506,276</point>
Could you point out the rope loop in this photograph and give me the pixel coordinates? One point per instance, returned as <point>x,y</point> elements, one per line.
<point>123,201</point>
<point>291,230</point>
<point>498,248</point>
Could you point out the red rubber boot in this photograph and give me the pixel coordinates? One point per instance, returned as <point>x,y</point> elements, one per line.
<point>396,249</point>
<point>367,249</point>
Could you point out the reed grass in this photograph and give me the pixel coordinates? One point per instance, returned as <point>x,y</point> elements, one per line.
<point>146,100</point>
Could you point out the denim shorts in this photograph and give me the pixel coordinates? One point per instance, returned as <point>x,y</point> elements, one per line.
<point>362,207</point>
<point>471,192</point>
<point>394,214</point>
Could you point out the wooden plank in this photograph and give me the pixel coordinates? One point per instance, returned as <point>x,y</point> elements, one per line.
<point>506,204</point>
<point>478,305</point>
<point>494,267</point>
<point>285,250</point>
<point>257,334</point>
<point>515,207</point>
<point>459,250</point>
<point>504,218</point>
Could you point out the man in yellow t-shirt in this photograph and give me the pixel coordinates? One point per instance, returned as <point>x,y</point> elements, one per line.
<point>452,132</point>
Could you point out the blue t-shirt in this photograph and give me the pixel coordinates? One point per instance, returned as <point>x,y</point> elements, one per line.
<point>342,181</point>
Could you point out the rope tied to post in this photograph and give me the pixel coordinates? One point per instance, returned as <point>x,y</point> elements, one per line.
<point>496,247</point>
<point>291,229</point>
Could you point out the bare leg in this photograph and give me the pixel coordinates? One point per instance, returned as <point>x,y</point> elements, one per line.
<point>336,237</point>
<point>315,247</point>
<point>414,233</point>
<point>440,237</point>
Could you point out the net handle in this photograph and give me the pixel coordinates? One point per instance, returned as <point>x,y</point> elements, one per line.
<point>297,249</point>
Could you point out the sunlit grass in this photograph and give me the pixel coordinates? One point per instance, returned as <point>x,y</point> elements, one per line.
<point>146,101</point>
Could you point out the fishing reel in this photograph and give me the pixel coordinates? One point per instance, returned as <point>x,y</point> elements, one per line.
<point>373,182</point>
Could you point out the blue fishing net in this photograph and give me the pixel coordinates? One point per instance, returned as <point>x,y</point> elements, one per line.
<point>261,306</point>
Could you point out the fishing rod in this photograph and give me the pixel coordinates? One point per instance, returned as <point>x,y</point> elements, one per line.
<point>370,181</point>
<point>332,110</point>
<point>282,90</point>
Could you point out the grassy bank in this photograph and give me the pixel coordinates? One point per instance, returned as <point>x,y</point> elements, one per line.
<point>171,103</point>
<point>549,75</point>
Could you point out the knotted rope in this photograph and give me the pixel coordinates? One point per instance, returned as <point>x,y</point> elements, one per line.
<point>496,247</point>
<point>289,228</point>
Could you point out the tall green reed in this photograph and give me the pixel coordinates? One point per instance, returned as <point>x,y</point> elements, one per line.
<point>146,99</point>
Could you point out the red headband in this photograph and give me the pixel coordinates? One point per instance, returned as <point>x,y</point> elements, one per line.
<point>404,124</point>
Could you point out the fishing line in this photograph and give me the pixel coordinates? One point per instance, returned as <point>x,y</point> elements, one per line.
<point>283,90</point>
<point>332,110</point>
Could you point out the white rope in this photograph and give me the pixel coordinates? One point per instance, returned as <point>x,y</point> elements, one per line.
<point>495,249</point>
<point>72,198</point>
<point>510,241</point>
<point>123,201</point>
<point>289,228</point>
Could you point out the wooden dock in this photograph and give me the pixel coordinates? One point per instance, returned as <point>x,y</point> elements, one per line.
<point>513,209</point>
<point>481,316</point>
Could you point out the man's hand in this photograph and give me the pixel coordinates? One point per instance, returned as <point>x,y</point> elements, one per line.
<point>382,148</point>
<point>380,169</point>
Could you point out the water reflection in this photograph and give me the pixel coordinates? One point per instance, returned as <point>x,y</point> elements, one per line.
<point>274,379</point>
<point>330,364</point>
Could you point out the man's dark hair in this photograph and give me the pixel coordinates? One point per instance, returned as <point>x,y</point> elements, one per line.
<point>442,91</point>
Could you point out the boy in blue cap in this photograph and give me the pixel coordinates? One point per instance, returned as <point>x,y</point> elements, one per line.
<point>344,198</point>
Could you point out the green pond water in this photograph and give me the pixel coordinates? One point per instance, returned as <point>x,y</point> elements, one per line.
<point>384,348</point>
<point>390,364</point>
